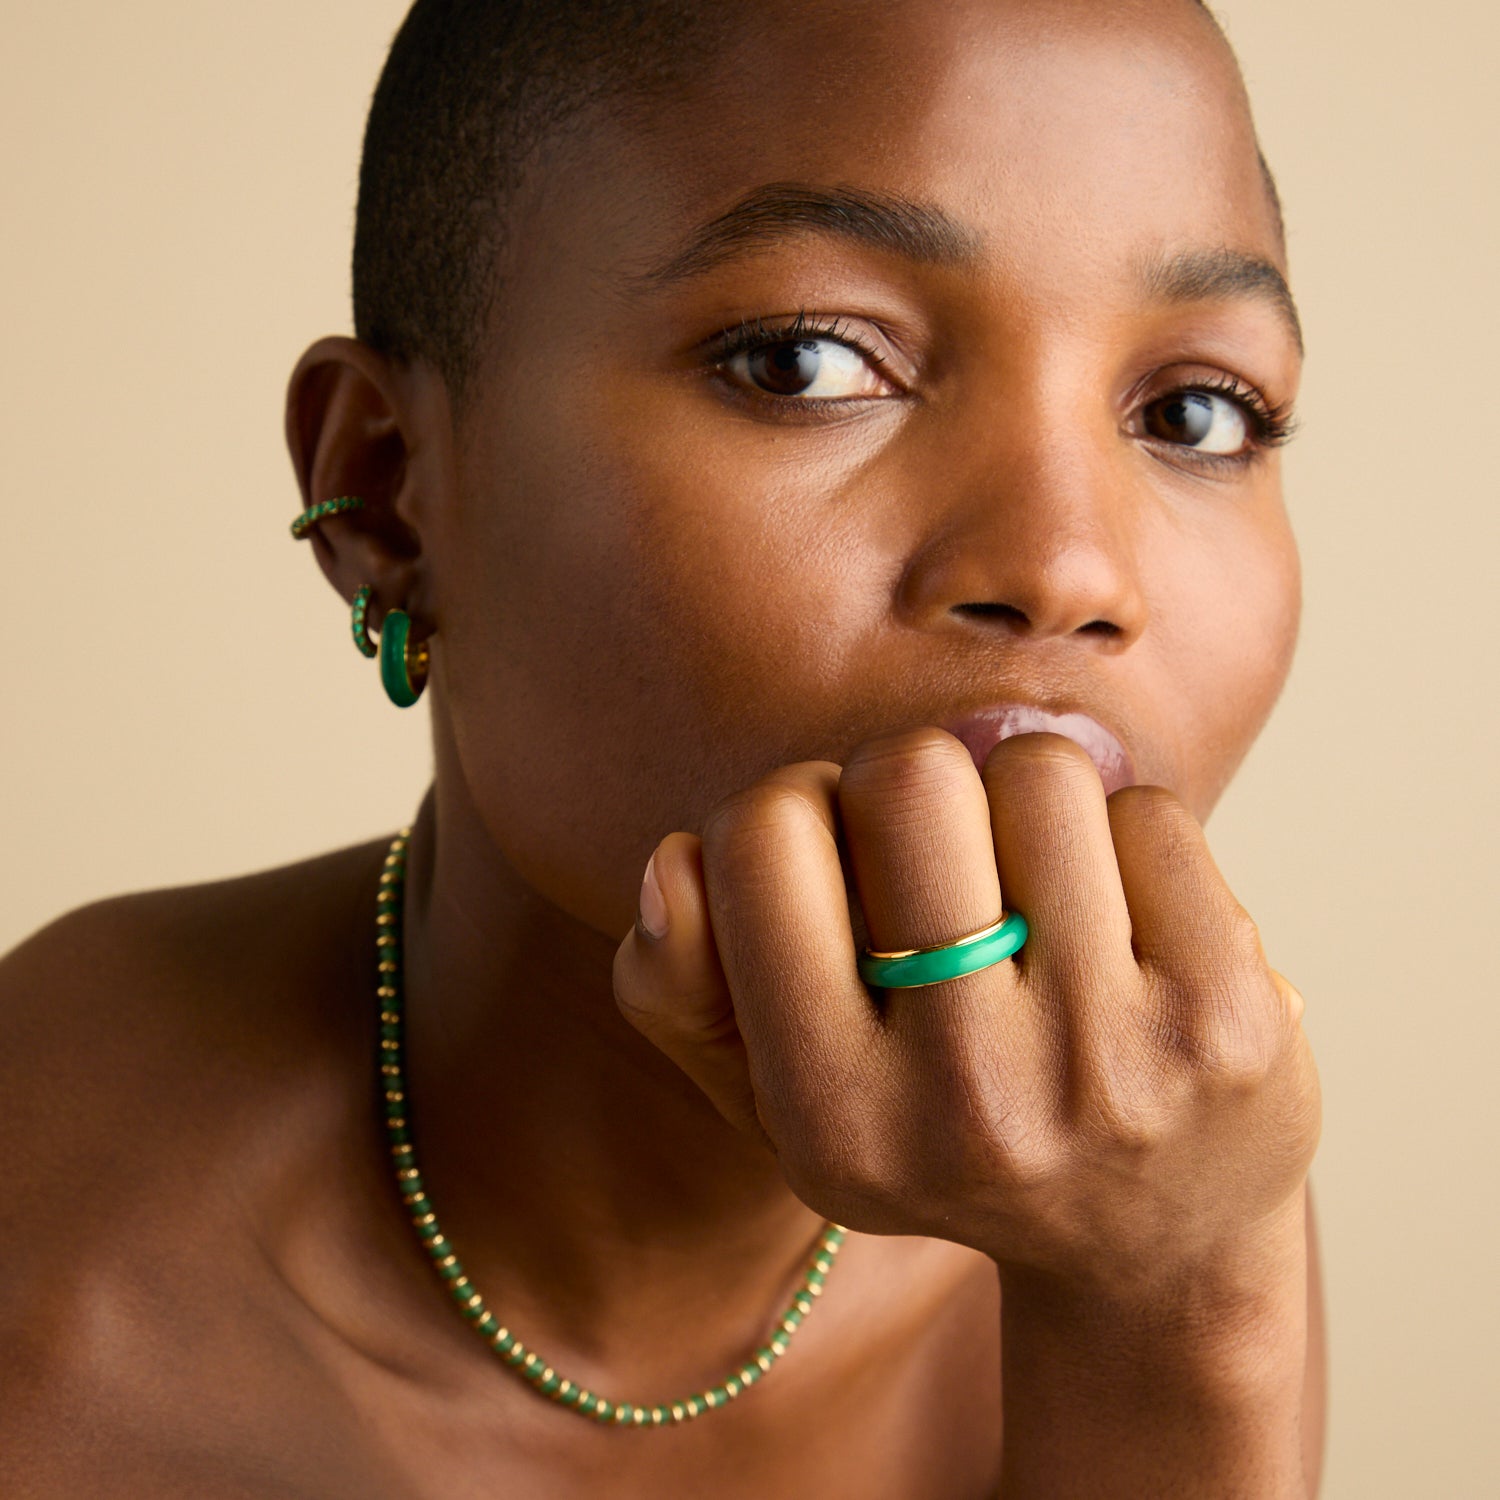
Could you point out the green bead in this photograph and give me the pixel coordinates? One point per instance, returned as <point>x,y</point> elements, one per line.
<point>814,1278</point>
<point>793,1316</point>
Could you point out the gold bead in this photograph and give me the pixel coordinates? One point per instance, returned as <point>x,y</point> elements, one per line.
<point>678,1414</point>
<point>763,1362</point>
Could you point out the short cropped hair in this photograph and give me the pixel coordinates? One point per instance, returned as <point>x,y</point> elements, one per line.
<point>469,90</point>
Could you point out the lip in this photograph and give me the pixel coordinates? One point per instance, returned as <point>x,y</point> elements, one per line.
<point>982,731</point>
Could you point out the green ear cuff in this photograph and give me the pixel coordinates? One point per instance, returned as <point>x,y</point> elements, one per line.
<point>321,511</point>
<point>403,663</point>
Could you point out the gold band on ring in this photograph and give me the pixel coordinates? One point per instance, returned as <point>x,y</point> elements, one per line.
<point>968,937</point>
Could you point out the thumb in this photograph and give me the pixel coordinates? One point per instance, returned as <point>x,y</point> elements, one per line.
<point>670,985</point>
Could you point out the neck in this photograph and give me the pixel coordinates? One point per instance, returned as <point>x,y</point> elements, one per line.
<point>595,1196</point>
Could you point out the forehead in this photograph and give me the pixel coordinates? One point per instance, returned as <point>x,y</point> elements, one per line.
<point>1064,136</point>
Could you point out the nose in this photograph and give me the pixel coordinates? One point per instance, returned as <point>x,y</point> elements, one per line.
<point>1037,538</point>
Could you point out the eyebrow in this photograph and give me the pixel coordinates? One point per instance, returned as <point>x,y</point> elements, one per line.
<point>927,235</point>
<point>1210,275</point>
<point>918,232</point>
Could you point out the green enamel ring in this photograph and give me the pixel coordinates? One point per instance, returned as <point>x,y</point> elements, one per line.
<point>918,966</point>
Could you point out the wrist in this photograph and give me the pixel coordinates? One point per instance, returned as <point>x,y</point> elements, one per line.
<point>1232,1319</point>
<point>1190,1384</point>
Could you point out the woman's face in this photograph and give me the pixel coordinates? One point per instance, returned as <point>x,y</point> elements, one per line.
<point>971,478</point>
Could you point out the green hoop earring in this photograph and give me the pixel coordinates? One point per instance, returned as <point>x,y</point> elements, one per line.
<point>359,623</point>
<point>321,511</point>
<point>403,665</point>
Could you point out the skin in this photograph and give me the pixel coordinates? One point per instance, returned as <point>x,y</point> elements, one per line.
<point>667,615</point>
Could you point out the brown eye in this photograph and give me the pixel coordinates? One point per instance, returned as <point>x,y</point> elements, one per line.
<point>785,369</point>
<point>820,368</point>
<point>1201,420</point>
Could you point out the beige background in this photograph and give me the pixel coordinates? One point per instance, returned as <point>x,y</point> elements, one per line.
<point>181,702</point>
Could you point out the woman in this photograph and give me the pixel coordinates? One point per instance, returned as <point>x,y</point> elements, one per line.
<point>820,464</point>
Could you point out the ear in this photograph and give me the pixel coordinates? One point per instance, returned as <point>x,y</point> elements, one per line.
<point>361,423</point>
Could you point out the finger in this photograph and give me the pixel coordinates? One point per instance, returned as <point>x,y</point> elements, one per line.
<point>917,827</point>
<point>1056,857</point>
<point>1182,912</point>
<point>671,986</point>
<point>1291,996</point>
<point>779,910</point>
<point>1189,931</point>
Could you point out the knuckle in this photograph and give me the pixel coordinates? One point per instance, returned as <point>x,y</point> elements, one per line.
<point>1150,814</point>
<point>1234,1047</point>
<point>909,766</point>
<point>823,1164</point>
<point>1025,759</point>
<point>1241,942</point>
<point>747,825</point>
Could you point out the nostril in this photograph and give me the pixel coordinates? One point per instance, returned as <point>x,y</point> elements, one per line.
<point>1107,628</point>
<point>1007,612</point>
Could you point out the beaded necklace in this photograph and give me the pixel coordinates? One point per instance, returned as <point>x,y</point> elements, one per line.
<point>529,1365</point>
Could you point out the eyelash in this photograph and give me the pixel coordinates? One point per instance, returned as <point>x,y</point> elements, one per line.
<point>1271,424</point>
<point>752,335</point>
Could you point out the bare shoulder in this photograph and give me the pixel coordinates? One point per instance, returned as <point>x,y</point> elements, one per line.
<point>169,1058</point>
<point>122,1016</point>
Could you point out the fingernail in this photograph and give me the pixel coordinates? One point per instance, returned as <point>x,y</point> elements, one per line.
<point>653,903</point>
